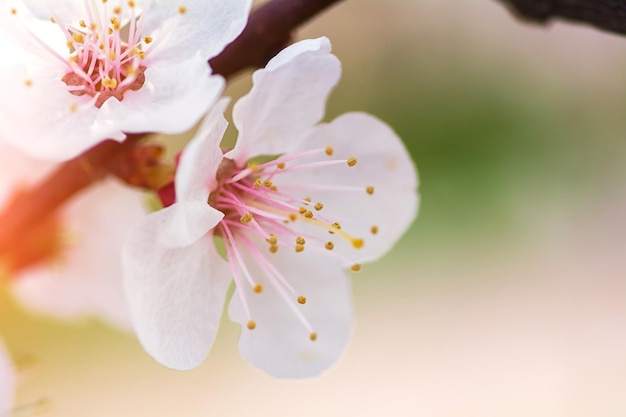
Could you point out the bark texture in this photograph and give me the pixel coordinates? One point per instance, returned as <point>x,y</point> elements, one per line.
<point>608,15</point>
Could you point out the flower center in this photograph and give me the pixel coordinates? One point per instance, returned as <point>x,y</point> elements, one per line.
<point>102,62</point>
<point>106,50</point>
<point>260,218</point>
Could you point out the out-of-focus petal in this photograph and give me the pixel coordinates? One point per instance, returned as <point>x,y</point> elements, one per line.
<point>85,278</point>
<point>281,344</point>
<point>181,28</point>
<point>287,98</point>
<point>175,296</point>
<point>59,127</point>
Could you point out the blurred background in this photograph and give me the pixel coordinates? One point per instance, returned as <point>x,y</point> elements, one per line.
<point>507,297</point>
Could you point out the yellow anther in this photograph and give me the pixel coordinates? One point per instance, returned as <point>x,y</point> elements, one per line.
<point>302,299</point>
<point>351,161</point>
<point>307,200</point>
<point>148,39</point>
<point>374,230</point>
<point>141,54</point>
<point>82,24</point>
<point>117,10</point>
<point>300,240</point>
<point>336,225</point>
<point>280,165</point>
<point>13,11</point>
<point>92,26</point>
<point>28,82</point>
<point>52,19</point>
<point>112,55</point>
<point>313,337</point>
<point>308,214</point>
<point>246,218</point>
<point>329,245</point>
<point>251,324</point>
<point>257,183</point>
<point>110,31</point>
<point>358,243</point>
<point>299,248</point>
<point>78,37</point>
<point>253,166</point>
<point>274,188</point>
<point>273,248</point>
<point>329,150</point>
<point>369,189</point>
<point>268,183</point>
<point>301,210</point>
<point>356,267</point>
<point>272,240</point>
<point>73,107</point>
<point>182,10</point>
<point>293,217</point>
<point>258,288</point>
<point>109,82</point>
<point>131,3</point>
<point>318,206</point>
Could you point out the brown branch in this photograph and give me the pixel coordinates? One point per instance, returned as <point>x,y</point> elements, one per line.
<point>268,30</point>
<point>609,15</point>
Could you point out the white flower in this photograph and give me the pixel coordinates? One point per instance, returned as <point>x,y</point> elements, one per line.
<point>331,197</point>
<point>75,72</point>
<point>77,269</point>
<point>7,383</point>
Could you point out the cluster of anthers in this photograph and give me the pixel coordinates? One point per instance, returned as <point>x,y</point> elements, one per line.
<point>105,54</point>
<point>255,207</point>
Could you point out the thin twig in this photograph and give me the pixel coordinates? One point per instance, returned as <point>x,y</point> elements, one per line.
<point>609,15</point>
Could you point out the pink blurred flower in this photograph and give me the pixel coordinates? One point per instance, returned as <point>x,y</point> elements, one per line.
<point>329,197</point>
<point>83,276</point>
<point>75,72</point>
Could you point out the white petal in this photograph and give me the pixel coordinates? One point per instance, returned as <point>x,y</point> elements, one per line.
<point>183,223</point>
<point>86,278</point>
<point>206,26</point>
<point>280,344</point>
<point>173,98</point>
<point>23,30</point>
<point>7,383</point>
<point>287,98</point>
<point>44,120</point>
<point>200,160</point>
<point>383,162</point>
<point>66,11</point>
<point>175,296</point>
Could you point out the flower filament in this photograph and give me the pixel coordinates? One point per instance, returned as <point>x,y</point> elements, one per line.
<point>106,50</point>
<point>256,210</point>
<point>102,64</point>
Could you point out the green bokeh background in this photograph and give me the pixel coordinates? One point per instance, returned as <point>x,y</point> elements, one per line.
<point>505,298</point>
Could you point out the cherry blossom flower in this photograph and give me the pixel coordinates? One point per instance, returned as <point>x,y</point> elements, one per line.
<point>77,268</point>
<point>7,383</point>
<point>325,198</point>
<point>75,72</point>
